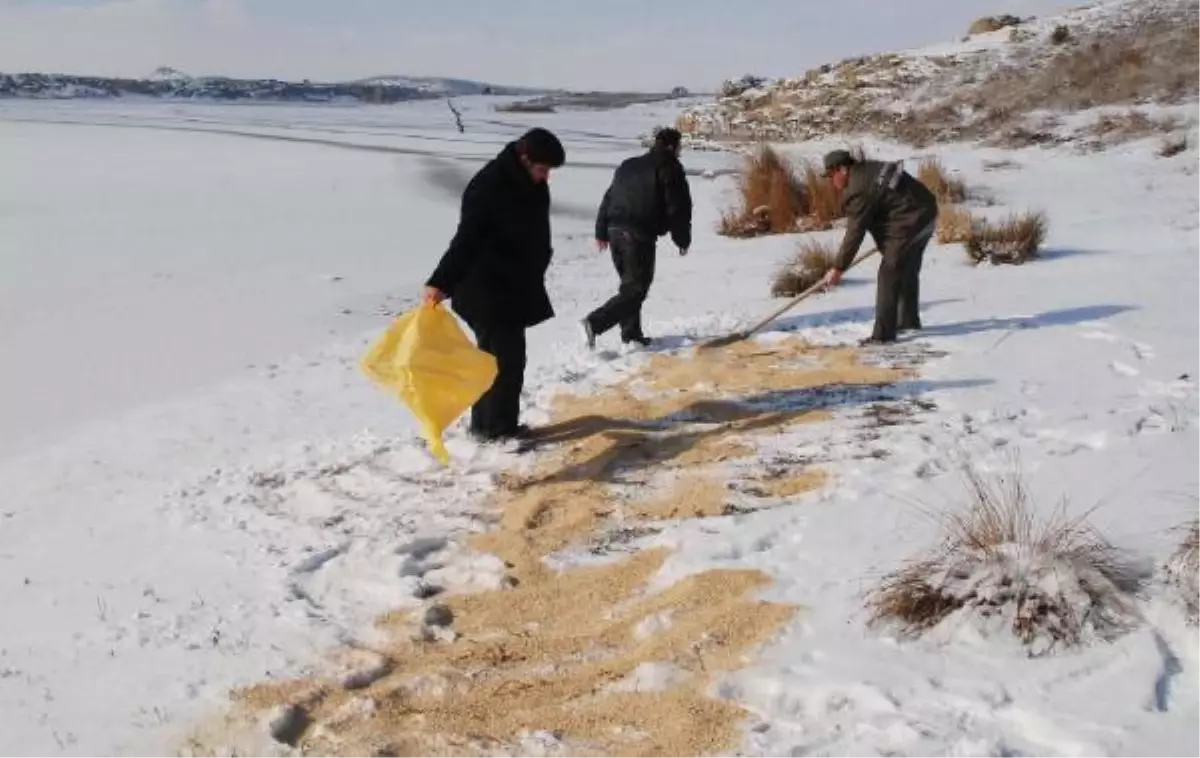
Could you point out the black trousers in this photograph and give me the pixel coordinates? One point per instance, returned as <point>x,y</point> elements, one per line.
<point>633,256</point>
<point>497,411</point>
<point>898,292</point>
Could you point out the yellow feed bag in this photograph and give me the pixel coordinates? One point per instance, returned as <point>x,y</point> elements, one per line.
<point>426,359</point>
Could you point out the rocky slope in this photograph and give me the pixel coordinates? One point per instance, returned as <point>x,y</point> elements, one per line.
<point>1010,85</point>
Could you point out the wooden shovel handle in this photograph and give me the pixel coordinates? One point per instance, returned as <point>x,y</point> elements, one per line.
<point>796,300</point>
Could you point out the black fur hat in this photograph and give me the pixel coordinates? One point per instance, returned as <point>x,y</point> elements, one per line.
<point>667,137</point>
<point>541,146</point>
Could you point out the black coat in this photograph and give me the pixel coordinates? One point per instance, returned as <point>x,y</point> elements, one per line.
<point>494,271</point>
<point>649,194</point>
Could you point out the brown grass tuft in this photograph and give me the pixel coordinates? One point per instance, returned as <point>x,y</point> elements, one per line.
<point>1015,240</point>
<point>954,224</point>
<point>1060,35</point>
<point>812,261</point>
<point>933,175</point>
<point>1172,146</point>
<point>771,197</point>
<point>1048,581</point>
<point>822,202</point>
<point>1183,570</point>
<point>776,198</point>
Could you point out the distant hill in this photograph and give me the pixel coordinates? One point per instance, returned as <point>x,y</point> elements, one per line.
<point>448,87</point>
<point>169,83</point>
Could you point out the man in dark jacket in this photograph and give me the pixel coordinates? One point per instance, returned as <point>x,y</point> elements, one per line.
<point>648,198</point>
<point>494,271</point>
<point>900,213</point>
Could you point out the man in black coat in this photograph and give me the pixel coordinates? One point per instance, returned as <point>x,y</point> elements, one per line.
<point>648,198</point>
<point>900,214</point>
<point>494,271</point>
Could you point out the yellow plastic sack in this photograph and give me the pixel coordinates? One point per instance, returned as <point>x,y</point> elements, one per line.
<point>426,359</point>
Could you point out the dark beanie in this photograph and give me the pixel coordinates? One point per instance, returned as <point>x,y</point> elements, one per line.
<point>541,146</point>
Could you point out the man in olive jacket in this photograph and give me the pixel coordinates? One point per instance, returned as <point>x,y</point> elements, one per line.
<point>494,271</point>
<point>901,214</point>
<point>648,197</point>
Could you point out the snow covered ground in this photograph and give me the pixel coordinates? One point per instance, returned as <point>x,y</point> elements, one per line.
<point>201,490</point>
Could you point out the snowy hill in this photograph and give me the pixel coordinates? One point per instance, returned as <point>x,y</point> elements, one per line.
<point>169,83</point>
<point>1013,86</point>
<point>446,87</point>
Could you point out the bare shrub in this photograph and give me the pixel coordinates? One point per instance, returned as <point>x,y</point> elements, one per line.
<point>813,260</point>
<point>1060,34</point>
<point>954,224</point>
<point>771,197</point>
<point>933,175</point>
<point>1050,582</point>
<point>1015,240</point>
<point>1183,568</point>
<point>1172,146</point>
<point>992,24</point>
<point>822,201</point>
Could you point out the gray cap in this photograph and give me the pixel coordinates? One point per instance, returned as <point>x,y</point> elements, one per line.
<point>836,159</point>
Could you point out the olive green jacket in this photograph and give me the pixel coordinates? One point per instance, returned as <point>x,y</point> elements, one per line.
<point>883,199</point>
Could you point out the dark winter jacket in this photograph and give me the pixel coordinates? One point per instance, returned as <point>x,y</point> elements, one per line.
<point>649,194</point>
<point>883,199</point>
<point>494,270</point>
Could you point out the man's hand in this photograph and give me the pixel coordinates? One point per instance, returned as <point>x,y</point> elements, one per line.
<point>602,245</point>
<point>833,277</point>
<point>432,296</point>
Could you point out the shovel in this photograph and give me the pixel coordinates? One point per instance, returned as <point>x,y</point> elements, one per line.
<point>739,336</point>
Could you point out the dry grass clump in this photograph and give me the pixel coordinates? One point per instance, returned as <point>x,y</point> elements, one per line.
<point>1050,583</point>
<point>776,198</point>
<point>1172,146</point>
<point>813,260</point>
<point>822,201</point>
<point>1183,570</point>
<point>1015,240</point>
<point>1133,124</point>
<point>1060,35</point>
<point>771,197</point>
<point>954,224</point>
<point>992,24</point>
<point>933,175</point>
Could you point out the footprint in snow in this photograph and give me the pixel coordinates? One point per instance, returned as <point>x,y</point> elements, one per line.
<point>1143,351</point>
<point>1123,369</point>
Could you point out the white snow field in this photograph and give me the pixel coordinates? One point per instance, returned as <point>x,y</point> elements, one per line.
<point>201,490</point>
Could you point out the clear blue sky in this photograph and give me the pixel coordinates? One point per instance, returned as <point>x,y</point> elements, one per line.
<point>596,44</point>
